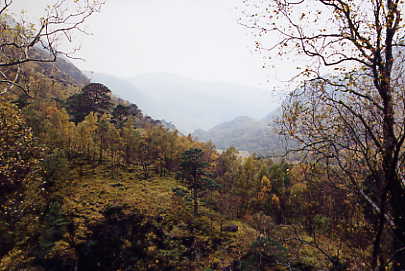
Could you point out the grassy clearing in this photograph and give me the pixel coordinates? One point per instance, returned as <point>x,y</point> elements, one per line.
<point>86,197</point>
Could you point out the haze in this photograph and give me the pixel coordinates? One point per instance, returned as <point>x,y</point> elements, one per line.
<point>198,40</point>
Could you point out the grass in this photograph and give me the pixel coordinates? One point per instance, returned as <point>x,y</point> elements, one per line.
<point>85,198</point>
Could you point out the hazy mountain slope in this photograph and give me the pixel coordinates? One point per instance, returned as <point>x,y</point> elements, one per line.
<point>245,134</point>
<point>62,70</point>
<point>272,116</point>
<point>189,104</point>
<point>122,88</point>
<point>193,104</point>
<point>71,72</point>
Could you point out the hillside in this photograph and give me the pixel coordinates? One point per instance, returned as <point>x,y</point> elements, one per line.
<point>162,232</point>
<point>101,186</point>
<point>91,180</point>
<point>244,133</point>
<point>190,104</point>
<point>98,191</point>
<point>104,191</point>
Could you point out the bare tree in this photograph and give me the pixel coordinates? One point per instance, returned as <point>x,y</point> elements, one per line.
<point>23,42</point>
<point>353,120</point>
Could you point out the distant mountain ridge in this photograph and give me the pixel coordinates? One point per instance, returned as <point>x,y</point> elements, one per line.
<point>194,105</point>
<point>122,88</point>
<point>190,104</point>
<point>246,134</point>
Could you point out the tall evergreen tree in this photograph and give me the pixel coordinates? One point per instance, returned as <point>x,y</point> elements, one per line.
<point>193,171</point>
<point>122,113</point>
<point>94,97</point>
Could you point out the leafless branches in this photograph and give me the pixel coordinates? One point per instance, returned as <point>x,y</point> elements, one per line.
<point>350,117</point>
<point>22,42</point>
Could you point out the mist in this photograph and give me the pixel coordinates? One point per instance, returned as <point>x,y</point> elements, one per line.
<point>188,62</point>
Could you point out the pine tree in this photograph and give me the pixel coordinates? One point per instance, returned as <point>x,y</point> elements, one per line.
<point>94,97</point>
<point>193,169</point>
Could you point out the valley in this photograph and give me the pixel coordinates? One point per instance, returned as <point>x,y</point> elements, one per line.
<point>180,144</point>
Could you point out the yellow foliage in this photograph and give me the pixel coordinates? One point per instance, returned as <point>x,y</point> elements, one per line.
<point>275,201</point>
<point>13,260</point>
<point>87,198</point>
<point>298,188</point>
<point>265,188</point>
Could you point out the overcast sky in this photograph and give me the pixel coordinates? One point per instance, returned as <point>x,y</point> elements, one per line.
<point>199,39</point>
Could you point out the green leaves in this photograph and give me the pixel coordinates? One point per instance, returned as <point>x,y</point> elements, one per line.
<point>192,163</point>
<point>94,97</point>
<point>193,170</point>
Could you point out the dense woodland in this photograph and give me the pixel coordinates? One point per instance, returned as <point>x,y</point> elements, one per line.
<point>90,182</point>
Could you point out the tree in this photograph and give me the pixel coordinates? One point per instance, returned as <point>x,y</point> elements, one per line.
<point>22,42</point>
<point>122,113</point>
<point>146,151</point>
<point>115,144</point>
<point>166,148</point>
<point>131,139</point>
<point>19,158</point>
<point>248,185</point>
<point>192,168</point>
<point>87,140</point>
<point>103,135</point>
<point>358,114</point>
<point>94,97</point>
<point>227,166</point>
<point>57,128</point>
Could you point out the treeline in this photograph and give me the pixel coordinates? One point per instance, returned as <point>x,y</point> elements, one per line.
<point>88,126</point>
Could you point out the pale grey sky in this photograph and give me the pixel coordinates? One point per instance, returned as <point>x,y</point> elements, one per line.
<point>199,39</point>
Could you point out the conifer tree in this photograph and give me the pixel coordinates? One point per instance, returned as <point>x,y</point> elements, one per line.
<point>193,171</point>
<point>94,97</point>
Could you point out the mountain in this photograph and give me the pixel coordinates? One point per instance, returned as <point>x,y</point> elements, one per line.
<point>189,104</point>
<point>126,90</point>
<point>272,116</point>
<point>244,133</point>
<point>195,105</point>
<point>122,88</point>
<point>62,70</point>
<point>70,72</point>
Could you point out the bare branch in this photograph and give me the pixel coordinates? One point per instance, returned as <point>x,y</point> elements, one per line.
<point>19,45</point>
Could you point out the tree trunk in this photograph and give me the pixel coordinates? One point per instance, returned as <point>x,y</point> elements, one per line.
<point>195,202</point>
<point>145,170</point>
<point>392,180</point>
<point>380,229</point>
<point>101,151</point>
<point>195,195</point>
<point>397,204</point>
